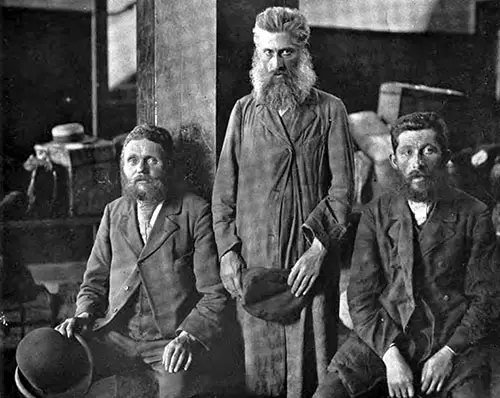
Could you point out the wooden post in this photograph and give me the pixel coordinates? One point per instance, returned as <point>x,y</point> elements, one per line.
<point>99,60</point>
<point>176,80</point>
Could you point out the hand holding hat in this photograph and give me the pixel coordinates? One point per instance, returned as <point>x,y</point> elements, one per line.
<point>266,295</point>
<point>307,269</point>
<point>78,324</point>
<point>231,266</point>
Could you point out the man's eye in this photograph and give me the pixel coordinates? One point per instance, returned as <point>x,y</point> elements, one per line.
<point>268,53</point>
<point>152,161</point>
<point>287,53</point>
<point>429,151</point>
<point>132,161</point>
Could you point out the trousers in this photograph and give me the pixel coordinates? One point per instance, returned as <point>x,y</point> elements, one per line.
<point>140,362</point>
<point>332,387</point>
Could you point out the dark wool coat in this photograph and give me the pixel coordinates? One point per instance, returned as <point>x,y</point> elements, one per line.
<point>178,267</point>
<point>279,182</point>
<point>457,247</point>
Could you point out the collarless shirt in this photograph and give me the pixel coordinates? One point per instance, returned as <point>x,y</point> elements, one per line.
<point>420,211</point>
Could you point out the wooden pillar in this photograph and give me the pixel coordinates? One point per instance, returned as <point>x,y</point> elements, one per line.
<point>176,80</point>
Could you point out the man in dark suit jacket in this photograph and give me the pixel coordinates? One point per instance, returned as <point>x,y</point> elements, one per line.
<point>423,291</point>
<point>151,293</point>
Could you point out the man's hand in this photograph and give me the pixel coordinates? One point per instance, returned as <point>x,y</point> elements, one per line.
<point>399,374</point>
<point>435,371</point>
<point>79,324</point>
<point>231,265</point>
<point>306,270</point>
<point>178,354</point>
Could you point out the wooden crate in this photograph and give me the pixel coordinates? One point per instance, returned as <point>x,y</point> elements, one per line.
<point>93,177</point>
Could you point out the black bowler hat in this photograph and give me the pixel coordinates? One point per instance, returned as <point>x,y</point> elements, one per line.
<point>266,295</point>
<point>52,365</point>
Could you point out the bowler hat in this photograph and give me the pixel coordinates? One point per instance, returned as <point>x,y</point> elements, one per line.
<point>52,365</point>
<point>267,295</point>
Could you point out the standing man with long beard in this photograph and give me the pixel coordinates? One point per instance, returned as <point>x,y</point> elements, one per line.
<point>423,291</point>
<point>282,194</point>
<point>151,295</point>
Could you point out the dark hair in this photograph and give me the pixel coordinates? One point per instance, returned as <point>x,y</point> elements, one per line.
<point>284,19</point>
<point>421,121</point>
<point>153,133</point>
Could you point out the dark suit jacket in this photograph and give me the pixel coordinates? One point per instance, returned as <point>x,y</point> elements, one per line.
<point>178,268</point>
<point>457,245</point>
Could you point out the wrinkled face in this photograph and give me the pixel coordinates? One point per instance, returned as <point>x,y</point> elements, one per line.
<point>144,170</point>
<point>419,160</point>
<point>278,53</point>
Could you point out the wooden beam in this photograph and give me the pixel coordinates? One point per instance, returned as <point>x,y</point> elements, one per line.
<point>65,5</point>
<point>99,59</point>
<point>146,91</point>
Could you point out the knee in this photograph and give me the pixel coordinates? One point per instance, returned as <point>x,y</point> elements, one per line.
<point>331,387</point>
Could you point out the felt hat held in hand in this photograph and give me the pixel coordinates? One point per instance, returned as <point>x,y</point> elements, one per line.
<point>266,295</point>
<point>52,365</point>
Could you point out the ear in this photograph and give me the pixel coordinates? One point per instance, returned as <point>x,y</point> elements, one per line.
<point>392,160</point>
<point>446,156</point>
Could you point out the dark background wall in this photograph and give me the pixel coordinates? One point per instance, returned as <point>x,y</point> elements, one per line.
<point>46,80</point>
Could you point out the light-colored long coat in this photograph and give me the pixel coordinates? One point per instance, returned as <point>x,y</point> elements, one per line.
<point>280,183</point>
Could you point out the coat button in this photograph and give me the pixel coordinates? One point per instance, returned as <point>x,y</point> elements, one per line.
<point>126,288</point>
<point>446,297</point>
<point>115,309</point>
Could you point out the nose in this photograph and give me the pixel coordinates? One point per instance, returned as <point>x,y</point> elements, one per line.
<point>142,166</point>
<point>416,161</point>
<point>276,62</point>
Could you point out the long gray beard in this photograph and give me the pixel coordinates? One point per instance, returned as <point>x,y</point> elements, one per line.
<point>289,93</point>
<point>154,192</point>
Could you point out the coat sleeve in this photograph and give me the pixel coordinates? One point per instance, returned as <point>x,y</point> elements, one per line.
<point>371,321</point>
<point>328,220</point>
<point>482,286</point>
<point>93,294</point>
<point>205,319</point>
<point>226,185</point>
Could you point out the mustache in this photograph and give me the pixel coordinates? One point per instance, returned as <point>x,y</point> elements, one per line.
<point>279,71</point>
<point>417,174</point>
<point>142,177</point>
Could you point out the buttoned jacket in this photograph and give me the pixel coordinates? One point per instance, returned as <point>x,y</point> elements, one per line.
<point>457,244</point>
<point>177,266</point>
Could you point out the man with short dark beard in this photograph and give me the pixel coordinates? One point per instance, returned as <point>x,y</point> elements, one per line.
<point>424,282</point>
<point>282,194</point>
<point>151,297</point>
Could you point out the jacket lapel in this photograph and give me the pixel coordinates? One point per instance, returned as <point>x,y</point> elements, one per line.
<point>439,228</point>
<point>270,120</point>
<point>163,227</point>
<point>128,227</point>
<point>401,232</point>
<point>304,117</point>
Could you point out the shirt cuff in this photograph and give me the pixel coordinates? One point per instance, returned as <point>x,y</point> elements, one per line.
<point>450,349</point>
